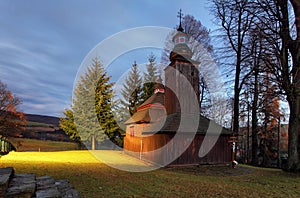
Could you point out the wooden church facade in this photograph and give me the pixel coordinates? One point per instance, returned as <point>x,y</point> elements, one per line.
<point>153,133</point>
<point>142,147</point>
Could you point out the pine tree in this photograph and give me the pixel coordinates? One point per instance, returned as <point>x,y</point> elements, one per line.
<point>91,110</point>
<point>150,79</point>
<point>131,90</point>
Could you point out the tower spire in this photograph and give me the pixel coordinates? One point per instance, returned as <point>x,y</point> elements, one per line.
<point>180,15</point>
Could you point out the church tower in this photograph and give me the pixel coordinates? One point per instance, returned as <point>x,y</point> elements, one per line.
<point>181,65</point>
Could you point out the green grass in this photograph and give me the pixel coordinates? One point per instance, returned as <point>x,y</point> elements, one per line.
<point>95,179</point>
<point>23,144</point>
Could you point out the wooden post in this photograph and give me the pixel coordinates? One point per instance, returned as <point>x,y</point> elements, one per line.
<point>248,131</point>
<point>233,144</point>
<point>141,149</point>
<point>278,144</point>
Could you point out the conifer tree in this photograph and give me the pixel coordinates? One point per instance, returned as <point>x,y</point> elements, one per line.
<point>68,125</point>
<point>150,79</point>
<point>91,110</point>
<point>104,98</point>
<point>131,90</point>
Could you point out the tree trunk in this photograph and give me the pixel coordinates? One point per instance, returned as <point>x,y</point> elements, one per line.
<point>236,103</point>
<point>292,87</point>
<point>293,146</point>
<point>93,142</point>
<point>254,160</point>
<point>295,51</point>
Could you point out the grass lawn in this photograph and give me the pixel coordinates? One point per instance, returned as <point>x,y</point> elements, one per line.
<point>95,179</point>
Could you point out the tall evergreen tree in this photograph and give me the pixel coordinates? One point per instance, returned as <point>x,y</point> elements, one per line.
<point>131,90</point>
<point>104,98</point>
<point>150,78</point>
<point>91,109</point>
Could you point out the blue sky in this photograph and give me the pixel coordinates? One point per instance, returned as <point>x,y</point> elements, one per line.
<point>43,43</point>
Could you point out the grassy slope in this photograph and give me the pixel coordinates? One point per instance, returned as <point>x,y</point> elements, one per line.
<point>95,179</point>
<point>23,144</point>
<point>30,123</point>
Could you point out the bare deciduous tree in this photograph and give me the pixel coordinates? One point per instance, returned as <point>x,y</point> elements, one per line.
<point>11,120</point>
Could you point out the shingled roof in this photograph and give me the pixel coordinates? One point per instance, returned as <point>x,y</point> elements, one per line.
<point>189,122</point>
<point>150,111</point>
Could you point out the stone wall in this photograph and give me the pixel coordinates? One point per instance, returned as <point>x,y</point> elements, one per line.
<point>28,185</point>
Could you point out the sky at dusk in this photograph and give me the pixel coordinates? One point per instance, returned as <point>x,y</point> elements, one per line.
<point>43,43</point>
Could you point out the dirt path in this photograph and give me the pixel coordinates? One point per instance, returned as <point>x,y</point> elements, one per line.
<point>122,161</point>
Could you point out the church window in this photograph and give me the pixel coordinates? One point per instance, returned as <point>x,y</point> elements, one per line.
<point>131,131</point>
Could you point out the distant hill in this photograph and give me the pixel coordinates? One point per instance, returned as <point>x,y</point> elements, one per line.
<point>42,127</point>
<point>41,133</point>
<point>42,119</point>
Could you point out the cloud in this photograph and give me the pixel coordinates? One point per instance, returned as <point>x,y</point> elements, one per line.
<point>42,43</point>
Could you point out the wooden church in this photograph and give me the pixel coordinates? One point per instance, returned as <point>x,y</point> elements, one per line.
<point>155,133</point>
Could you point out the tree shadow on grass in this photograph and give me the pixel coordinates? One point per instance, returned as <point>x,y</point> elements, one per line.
<point>212,170</point>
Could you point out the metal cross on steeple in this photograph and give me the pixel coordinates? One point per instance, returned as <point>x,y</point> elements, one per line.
<point>180,15</point>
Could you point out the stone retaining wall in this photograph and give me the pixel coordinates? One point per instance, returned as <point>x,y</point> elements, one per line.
<point>28,185</point>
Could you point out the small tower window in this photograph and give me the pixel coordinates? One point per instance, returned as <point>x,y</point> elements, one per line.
<point>180,39</point>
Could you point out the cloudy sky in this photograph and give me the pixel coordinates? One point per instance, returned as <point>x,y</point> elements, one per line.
<point>43,43</point>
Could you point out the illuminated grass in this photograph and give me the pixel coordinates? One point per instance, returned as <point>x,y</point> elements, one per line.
<point>95,179</point>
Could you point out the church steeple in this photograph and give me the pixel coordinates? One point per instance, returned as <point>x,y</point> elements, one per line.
<point>180,41</point>
<point>181,63</point>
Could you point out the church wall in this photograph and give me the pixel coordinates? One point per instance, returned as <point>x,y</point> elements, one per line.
<point>183,91</point>
<point>132,139</point>
<point>143,147</point>
<point>171,101</point>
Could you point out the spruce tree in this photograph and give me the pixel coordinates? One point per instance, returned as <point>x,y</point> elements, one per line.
<point>104,98</point>
<point>68,125</point>
<point>150,79</point>
<point>91,110</point>
<point>131,90</point>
